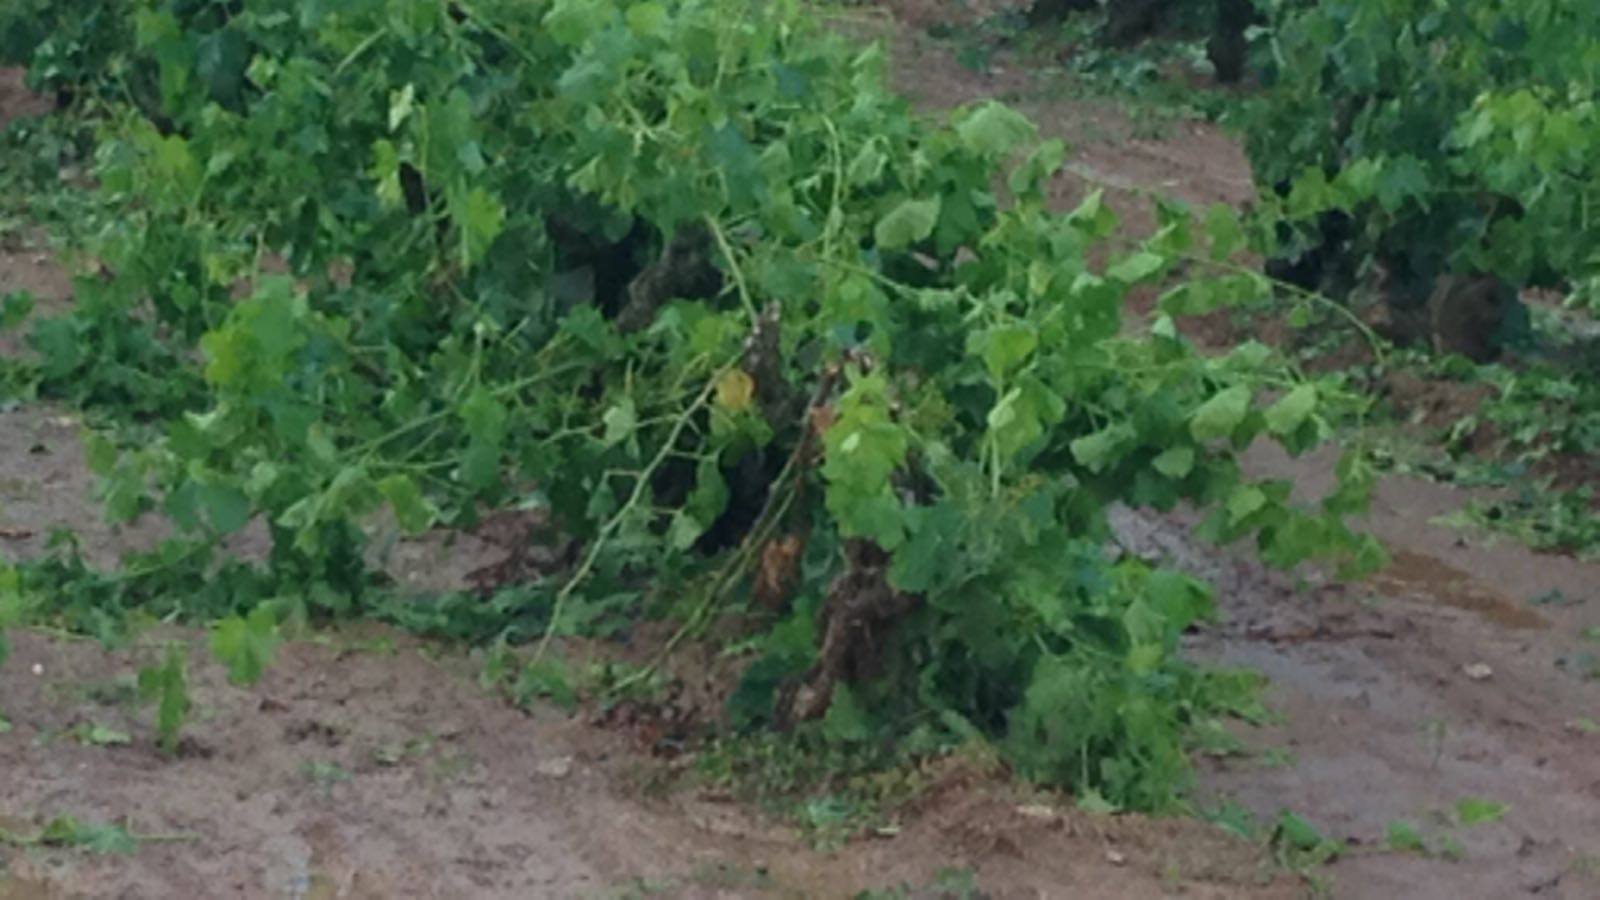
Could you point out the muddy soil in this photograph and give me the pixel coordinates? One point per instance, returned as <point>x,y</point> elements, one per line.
<point>1461,671</point>
<point>371,765</point>
<point>1437,681</point>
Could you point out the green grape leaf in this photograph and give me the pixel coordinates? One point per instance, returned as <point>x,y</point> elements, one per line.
<point>1093,217</point>
<point>123,493</point>
<point>1034,173</point>
<point>878,517</point>
<point>684,530</point>
<point>1224,230</point>
<point>15,307</point>
<point>1192,298</point>
<point>58,345</point>
<point>1404,837</point>
<point>68,832</point>
<point>739,165</point>
<point>1097,451</point>
<point>1175,463</point>
<point>484,417</point>
<point>573,21</point>
<point>1297,833</point>
<point>709,498</point>
<point>167,684</point>
<point>12,605</point>
<point>620,421</point>
<point>227,508</point>
<point>414,512</point>
<point>1311,194</point>
<point>385,171</point>
<point>1359,179</point>
<point>99,454</point>
<point>930,558</point>
<point>1095,803</point>
<point>547,678</point>
<point>648,19</point>
<point>101,735</point>
<point>220,59</point>
<point>1245,502</point>
<point>1296,538</point>
<point>1286,416</point>
<point>847,720</point>
<point>402,103</point>
<point>1400,179</point>
<point>246,645</point>
<point>1143,659</point>
<point>1477,811</point>
<point>1021,416</point>
<point>1137,267</point>
<point>1180,600</point>
<point>1220,416</point>
<point>909,223</point>
<point>995,130</point>
<point>481,217</point>
<point>863,448</point>
<point>1003,347</point>
<point>868,165</point>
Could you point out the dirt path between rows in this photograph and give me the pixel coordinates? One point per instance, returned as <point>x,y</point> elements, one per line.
<point>1439,680</point>
<point>371,765</point>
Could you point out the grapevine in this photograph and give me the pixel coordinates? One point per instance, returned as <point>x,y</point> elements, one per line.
<point>433,260</point>
<point>1419,140</point>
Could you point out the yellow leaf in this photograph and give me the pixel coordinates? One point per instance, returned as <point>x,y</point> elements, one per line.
<point>735,391</point>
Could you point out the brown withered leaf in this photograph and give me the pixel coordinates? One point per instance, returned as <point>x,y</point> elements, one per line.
<point>778,573</point>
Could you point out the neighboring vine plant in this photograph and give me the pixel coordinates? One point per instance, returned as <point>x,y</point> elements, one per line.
<point>686,280</point>
<point>1412,146</point>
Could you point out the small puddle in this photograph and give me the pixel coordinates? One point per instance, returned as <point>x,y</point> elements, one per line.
<point>1431,581</point>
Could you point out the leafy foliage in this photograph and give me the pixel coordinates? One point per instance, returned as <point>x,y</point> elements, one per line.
<point>65,44</point>
<point>1477,811</point>
<point>246,645</point>
<point>1457,136</point>
<point>685,276</point>
<point>12,608</point>
<point>166,684</point>
<point>70,832</point>
<point>1534,430</point>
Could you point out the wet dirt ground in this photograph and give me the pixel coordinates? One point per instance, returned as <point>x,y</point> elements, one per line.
<point>372,765</point>
<point>367,765</point>
<point>1461,671</point>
